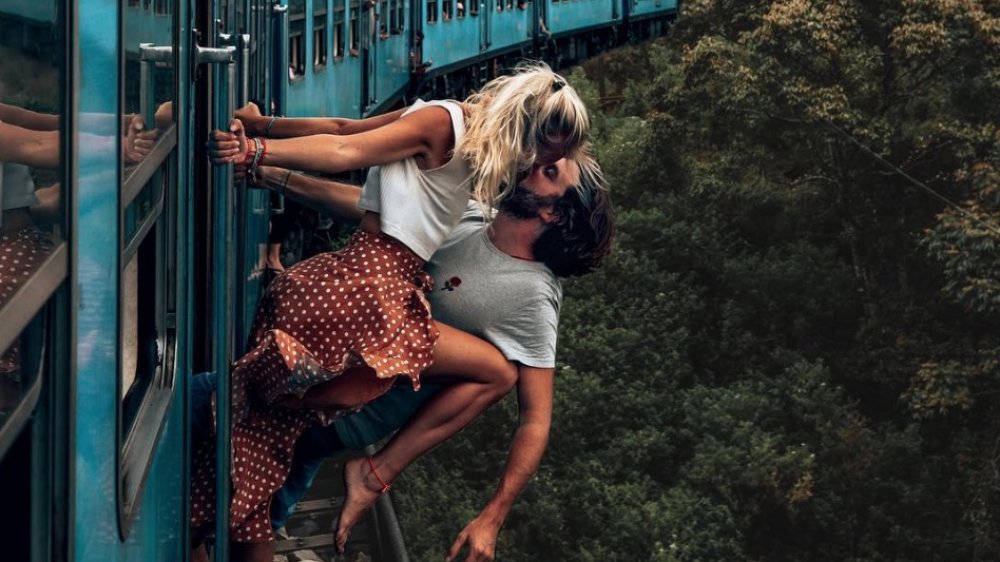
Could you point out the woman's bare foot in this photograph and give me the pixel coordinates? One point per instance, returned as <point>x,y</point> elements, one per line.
<point>274,257</point>
<point>362,488</point>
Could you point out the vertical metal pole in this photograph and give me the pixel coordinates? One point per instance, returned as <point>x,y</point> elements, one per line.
<point>146,87</point>
<point>280,77</point>
<point>240,328</point>
<point>223,266</point>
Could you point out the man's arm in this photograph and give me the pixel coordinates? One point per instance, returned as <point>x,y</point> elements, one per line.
<point>333,198</point>
<point>534,396</point>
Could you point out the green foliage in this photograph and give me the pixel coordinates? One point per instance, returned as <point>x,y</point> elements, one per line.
<point>792,354</point>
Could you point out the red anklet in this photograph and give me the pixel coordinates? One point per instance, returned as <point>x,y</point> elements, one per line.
<point>385,487</point>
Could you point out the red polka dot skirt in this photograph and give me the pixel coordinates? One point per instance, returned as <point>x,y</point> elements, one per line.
<point>21,253</point>
<point>360,307</point>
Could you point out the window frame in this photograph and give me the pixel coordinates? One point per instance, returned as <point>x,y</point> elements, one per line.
<point>142,411</point>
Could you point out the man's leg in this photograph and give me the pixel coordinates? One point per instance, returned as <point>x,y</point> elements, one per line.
<point>312,448</point>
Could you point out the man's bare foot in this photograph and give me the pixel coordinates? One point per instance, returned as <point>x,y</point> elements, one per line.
<point>362,488</point>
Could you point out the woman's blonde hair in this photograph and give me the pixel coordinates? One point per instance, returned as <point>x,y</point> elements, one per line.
<point>512,116</point>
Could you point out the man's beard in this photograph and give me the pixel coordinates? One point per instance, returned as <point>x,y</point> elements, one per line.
<point>523,204</point>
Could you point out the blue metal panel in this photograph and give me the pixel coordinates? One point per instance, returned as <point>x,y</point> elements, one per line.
<point>95,279</point>
<point>446,42</point>
<point>572,15</point>
<point>510,27</point>
<point>43,12</point>
<point>142,22</point>
<point>643,8</point>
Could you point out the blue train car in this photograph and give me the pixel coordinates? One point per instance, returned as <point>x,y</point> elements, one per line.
<point>145,264</point>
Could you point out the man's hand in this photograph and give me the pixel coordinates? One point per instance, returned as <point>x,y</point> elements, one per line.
<point>252,120</point>
<point>481,536</point>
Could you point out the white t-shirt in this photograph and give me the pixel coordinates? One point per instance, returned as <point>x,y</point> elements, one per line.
<point>420,207</point>
<point>16,186</point>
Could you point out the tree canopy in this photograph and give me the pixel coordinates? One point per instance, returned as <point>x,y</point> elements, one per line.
<point>793,353</point>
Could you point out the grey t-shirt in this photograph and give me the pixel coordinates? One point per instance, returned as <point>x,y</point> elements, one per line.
<point>510,302</point>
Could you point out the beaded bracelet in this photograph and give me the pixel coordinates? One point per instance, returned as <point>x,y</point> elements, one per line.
<point>250,153</point>
<point>258,155</point>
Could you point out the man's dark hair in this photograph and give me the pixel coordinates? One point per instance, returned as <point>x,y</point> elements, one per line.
<point>581,237</point>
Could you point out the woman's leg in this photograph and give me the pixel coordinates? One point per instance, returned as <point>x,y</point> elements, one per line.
<point>253,552</point>
<point>199,553</point>
<point>485,376</point>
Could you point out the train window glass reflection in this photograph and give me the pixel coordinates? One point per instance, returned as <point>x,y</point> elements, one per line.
<point>149,86</point>
<point>31,218</point>
<point>320,44</point>
<point>296,39</point>
<point>338,29</point>
<point>147,222</point>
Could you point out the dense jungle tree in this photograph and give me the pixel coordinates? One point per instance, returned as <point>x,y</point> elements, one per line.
<point>793,354</point>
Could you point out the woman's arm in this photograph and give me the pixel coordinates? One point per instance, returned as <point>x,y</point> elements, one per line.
<point>425,134</point>
<point>328,197</point>
<point>289,127</point>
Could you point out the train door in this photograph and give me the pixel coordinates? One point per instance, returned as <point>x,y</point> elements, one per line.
<point>234,61</point>
<point>34,292</point>
<point>128,233</point>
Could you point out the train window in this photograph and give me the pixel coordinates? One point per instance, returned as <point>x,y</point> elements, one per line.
<point>400,17</point>
<point>32,253</point>
<point>147,226</point>
<point>383,20</point>
<point>432,8</point>
<point>473,7</point>
<point>355,13</point>
<point>296,38</point>
<point>320,43</point>
<point>338,29</point>
<point>33,257</point>
<point>446,14</point>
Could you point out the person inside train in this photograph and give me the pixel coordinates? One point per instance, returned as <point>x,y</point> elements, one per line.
<point>334,331</point>
<point>499,284</point>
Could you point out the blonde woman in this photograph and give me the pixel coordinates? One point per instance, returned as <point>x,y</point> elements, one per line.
<point>335,331</point>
